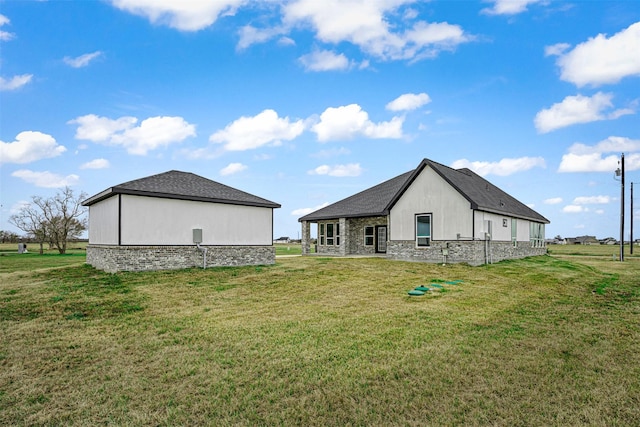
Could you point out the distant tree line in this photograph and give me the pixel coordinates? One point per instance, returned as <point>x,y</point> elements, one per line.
<point>55,220</point>
<point>9,237</point>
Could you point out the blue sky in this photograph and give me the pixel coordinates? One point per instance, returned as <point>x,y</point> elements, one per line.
<point>305,102</point>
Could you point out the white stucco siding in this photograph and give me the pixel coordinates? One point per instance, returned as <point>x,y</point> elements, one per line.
<point>501,227</point>
<point>523,229</point>
<point>499,232</point>
<point>103,222</point>
<point>429,193</point>
<point>157,221</point>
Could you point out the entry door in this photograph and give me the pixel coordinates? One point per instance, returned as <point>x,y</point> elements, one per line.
<point>381,239</point>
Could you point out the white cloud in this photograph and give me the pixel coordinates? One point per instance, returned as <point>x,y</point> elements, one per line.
<point>251,35</point>
<point>364,24</point>
<point>4,35</point>
<point>181,15</point>
<point>592,200</point>
<point>585,158</point>
<point>351,169</point>
<point>248,133</point>
<point>46,179</point>
<point>305,211</point>
<point>593,162</point>
<point>556,49</point>
<point>508,7</point>
<point>408,101</point>
<point>15,82</point>
<point>574,209</point>
<point>233,168</point>
<point>601,60</point>
<point>611,144</point>
<point>30,146</point>
<point>96,164</point>
<point>324,60</point>
<point>152,133</point>
<point>553,201</point>
<point>504,167</point>
<point>577,109</point>
<point>82,60</point>
<point>348,121</point>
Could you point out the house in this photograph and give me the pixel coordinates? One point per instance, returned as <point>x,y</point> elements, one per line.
<point>433,213</point>
<point>608,241</point>
<point>284,239</point>
<point>556,241</point>
<point>584,240</point>
<point>178,220</point>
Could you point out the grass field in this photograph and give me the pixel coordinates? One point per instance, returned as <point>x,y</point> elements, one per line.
<point>551,340</point>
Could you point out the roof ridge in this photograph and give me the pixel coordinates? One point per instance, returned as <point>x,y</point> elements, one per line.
<point>175,184</point>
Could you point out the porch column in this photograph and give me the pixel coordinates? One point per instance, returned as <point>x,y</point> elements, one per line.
<point>344,236</point>
<point>306,237</point>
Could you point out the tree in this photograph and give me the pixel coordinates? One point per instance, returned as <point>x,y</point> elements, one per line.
<point>32,221</point>
<point>57,219</point>
<point>8,237</point>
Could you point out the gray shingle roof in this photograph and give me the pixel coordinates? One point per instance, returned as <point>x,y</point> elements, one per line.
<point>378,200</point>
<point>185,186</point>
<point>370,202</point>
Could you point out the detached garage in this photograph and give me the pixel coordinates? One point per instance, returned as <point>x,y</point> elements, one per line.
<point>178,220</point>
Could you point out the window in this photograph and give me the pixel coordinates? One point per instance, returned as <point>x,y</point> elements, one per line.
<point>514,232</point>
<point>423,230</point>
<point>368,236</point>
<point>330,235</point>
<point>337,234</point>
<point>321,233</point>
<point>536,234</point>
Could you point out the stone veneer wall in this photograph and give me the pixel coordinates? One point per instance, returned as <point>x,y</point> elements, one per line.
<point>145,258</point>
<point>351,236</point>
<point>356,234</point>
<point>471,252</point>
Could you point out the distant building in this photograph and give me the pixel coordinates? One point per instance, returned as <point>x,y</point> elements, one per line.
<point>608,241</point>
<point>582,240</point>
<point>178,220</point>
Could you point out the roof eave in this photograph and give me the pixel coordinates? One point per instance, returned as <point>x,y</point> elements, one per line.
<point>511,214</point>
<point>129,192</point>
<point>99,197</point>
<point>325,217</point>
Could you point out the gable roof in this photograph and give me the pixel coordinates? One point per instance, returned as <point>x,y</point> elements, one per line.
<point>371,202</point>
<point>183,186</point>
<point>378,200</point>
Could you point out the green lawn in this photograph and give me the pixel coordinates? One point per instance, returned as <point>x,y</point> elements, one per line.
<point>552,340</point>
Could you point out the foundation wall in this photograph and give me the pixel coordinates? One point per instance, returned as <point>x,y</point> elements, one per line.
<point>475,252</point>
<point>147,258</point>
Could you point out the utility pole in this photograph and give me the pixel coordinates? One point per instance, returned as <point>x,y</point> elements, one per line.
<point>620,173</point>
<point>622,208</point>
<point>631,223</point>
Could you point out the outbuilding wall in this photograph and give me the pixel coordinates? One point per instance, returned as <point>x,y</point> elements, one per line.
<point>103,222</point>
<point>159,221</point>
<point>146,258</point>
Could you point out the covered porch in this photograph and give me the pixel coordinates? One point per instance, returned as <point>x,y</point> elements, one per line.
<point>366,236</point>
